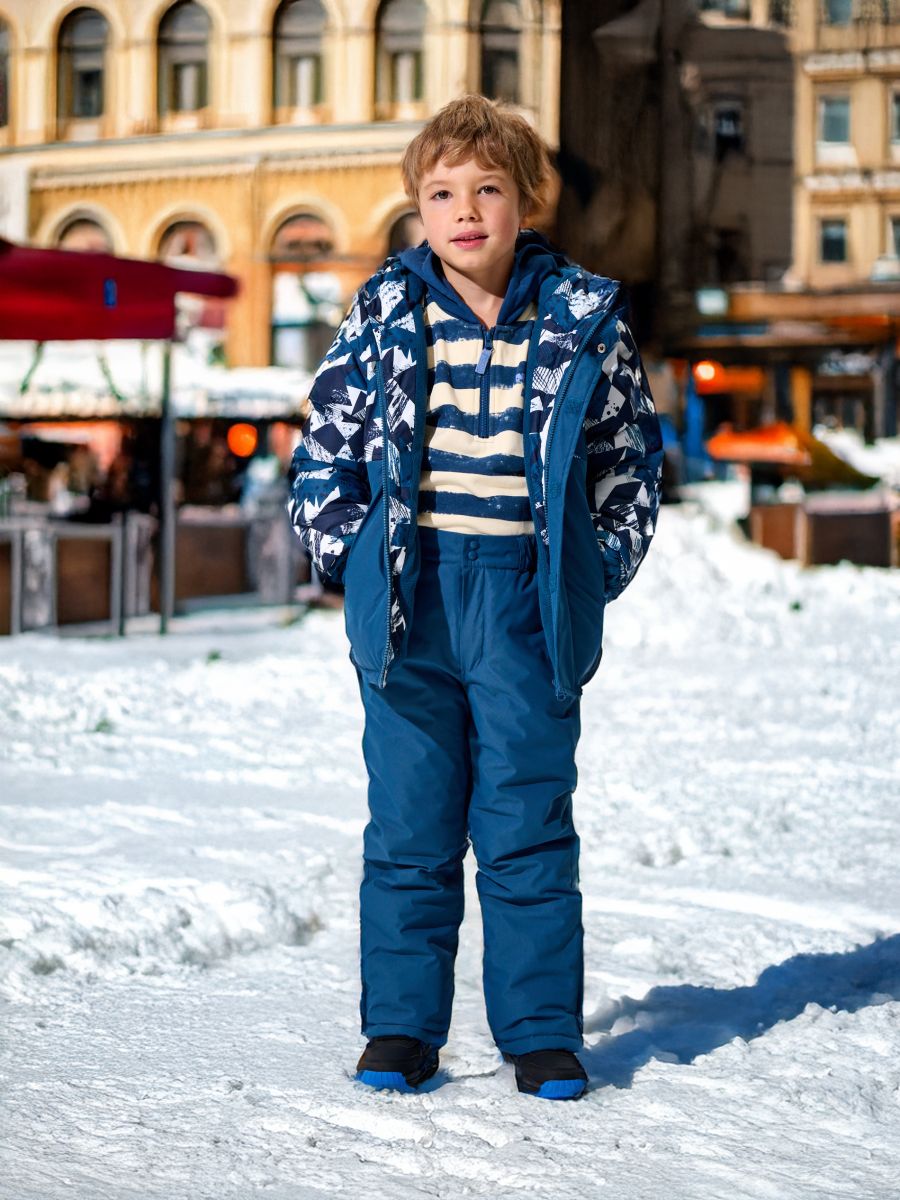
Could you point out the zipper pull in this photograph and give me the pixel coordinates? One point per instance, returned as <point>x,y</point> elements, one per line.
<point>484,358</point>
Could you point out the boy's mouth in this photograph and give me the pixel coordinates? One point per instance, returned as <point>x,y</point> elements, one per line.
<point>469,239</point>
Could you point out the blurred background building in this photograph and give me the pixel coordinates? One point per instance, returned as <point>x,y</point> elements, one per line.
<point>739,166</point>
<point>260,137</point>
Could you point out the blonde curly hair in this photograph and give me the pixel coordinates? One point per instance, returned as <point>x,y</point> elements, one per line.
<point>495,136</point>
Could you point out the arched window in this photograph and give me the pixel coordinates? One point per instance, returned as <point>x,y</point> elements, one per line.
<point>406,231</point>
<point>501,27</point>
<point>307,302</point>
<point>84,233</point>
<point>400,33</point>
<point>297,73</point>
<point>4,74</point>
<point>183,57</point>
<point>82,51</point>
<point>189,244</point>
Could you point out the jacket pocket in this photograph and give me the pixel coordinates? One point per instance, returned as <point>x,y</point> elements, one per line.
<point>586,613</point>
<point>366,591</point>
<point>584,586</point>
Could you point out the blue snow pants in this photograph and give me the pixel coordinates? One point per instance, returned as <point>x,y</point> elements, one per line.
<point>468,741</point>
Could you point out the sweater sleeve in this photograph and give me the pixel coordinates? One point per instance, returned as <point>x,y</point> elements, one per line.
<point>329,488</point>
<point>624,453</point>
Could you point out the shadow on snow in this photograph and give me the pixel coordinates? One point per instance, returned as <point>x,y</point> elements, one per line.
<point>678,1024</point>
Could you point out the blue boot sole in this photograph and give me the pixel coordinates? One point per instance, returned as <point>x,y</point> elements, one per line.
<point>384,1079</point>
<point>561,1089</point>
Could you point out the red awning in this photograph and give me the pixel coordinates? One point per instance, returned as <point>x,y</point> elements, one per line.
<point>67,295</point>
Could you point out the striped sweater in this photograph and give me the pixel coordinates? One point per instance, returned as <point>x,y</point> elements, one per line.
<point>473,468</point>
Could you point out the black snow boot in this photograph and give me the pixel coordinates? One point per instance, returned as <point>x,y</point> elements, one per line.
<point>551,1074</point>
<point>398,1062</point>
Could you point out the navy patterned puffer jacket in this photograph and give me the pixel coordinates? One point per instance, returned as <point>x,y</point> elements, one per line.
<point>593,456</point>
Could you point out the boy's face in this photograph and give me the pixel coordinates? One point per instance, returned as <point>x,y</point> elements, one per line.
<point>471,215</point>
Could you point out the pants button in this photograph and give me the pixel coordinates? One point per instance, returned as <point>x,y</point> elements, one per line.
<point>473,555</point>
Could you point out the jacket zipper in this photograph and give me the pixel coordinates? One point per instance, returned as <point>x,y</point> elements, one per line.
<point>385,504</point>
<point>481,370</point>
<point>592,329</point>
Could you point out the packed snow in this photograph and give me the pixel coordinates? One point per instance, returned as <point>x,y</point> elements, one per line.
<point>181,826</point>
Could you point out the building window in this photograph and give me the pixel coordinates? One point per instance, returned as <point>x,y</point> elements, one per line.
<point>400,32</point>
<point>183,58</point>
<point>833,241</point>
<point>82,51</point>
<point>728,127</point>
<point>84,233</point>
<point>189,244</point>
<point>834,120</point>
<point>781,12</point>
<point>4,74</point>
<point>501,27</point>
<point>895,117</point>
<point>894,247</point>
<point>299,26</point>
<point>837,12</point>
<point>740,9</point>
<point>307,301</point>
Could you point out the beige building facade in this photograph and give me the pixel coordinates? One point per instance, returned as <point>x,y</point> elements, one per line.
<point>847,142</point>
<point>263,138</point>
<point>827,330</point>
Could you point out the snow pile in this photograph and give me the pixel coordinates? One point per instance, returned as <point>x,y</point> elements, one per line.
<point>181,823</point>
<point>880,458</point>
<point>140,927</point>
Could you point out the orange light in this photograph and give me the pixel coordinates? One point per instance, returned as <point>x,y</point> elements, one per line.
<point>242,440</point>
<point>705,372</point>
<point>712,379</point>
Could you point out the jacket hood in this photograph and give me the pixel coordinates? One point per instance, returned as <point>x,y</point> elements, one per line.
<point>566,294</point>
<point>535,260</point>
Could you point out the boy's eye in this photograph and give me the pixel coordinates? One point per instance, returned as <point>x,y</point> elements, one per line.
<point>441,195</point>
<point>489,187</point>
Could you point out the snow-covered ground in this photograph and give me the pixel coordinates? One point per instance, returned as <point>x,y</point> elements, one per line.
<point>179,943</point>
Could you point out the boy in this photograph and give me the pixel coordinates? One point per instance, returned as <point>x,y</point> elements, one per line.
<point>481,470</point>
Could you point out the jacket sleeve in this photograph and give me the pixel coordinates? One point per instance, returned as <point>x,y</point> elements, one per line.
<point>329,488</point>
<point>624,457</point>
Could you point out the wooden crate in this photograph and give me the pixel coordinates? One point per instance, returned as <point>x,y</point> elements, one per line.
<point>210,560</point>
<point>859,535</point>
<point>83,579</point>
<point>6,587</point>
<point>778,527</point>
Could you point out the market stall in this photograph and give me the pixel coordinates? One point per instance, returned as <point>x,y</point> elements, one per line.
<point>64,296</point>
